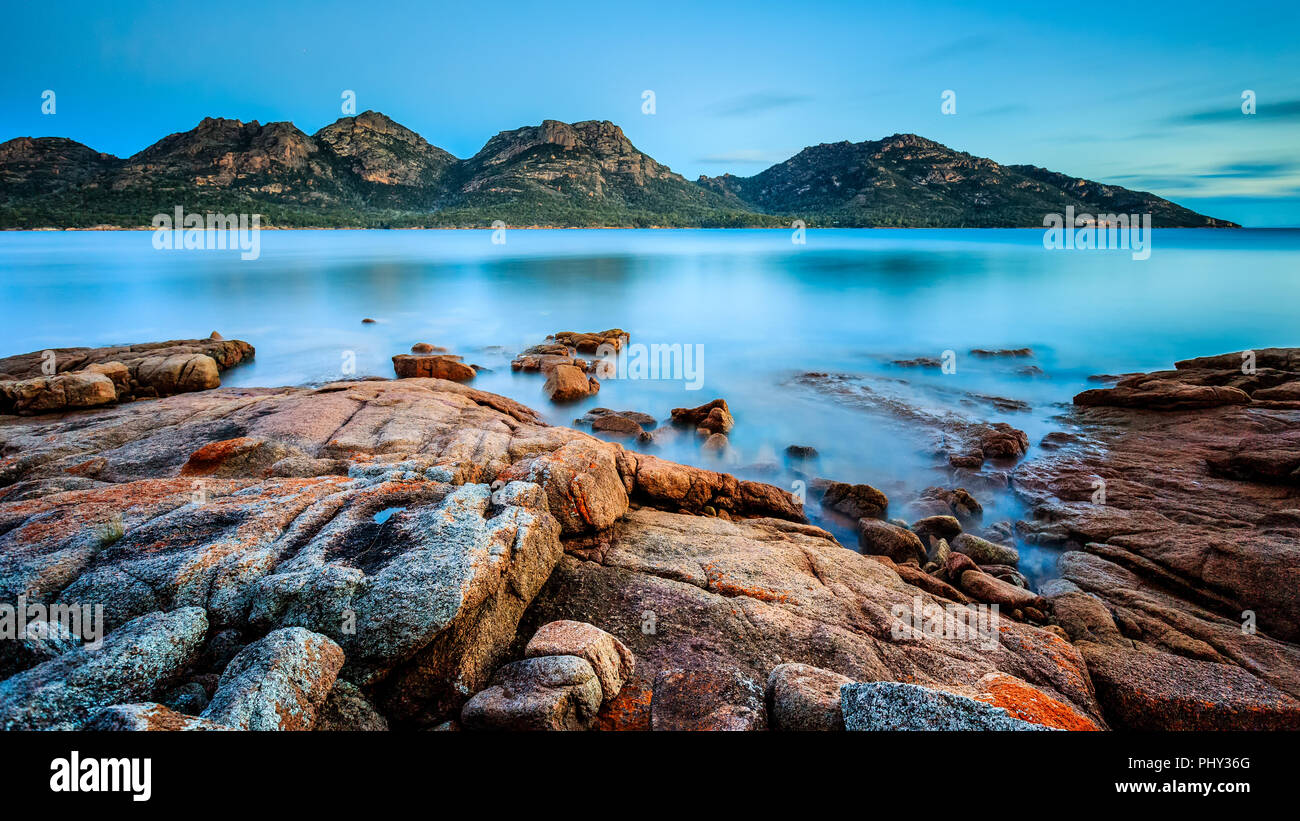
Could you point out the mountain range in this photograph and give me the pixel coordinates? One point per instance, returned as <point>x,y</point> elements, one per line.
<point>369,171</point>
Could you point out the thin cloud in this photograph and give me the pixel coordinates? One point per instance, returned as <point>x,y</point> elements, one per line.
<point>1246,170</point>
<point>1231,110</point>
<point>759,103</point>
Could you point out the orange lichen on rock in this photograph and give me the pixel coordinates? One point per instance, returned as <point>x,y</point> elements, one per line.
<point>207,459</point>
<point>1027,702</point>
<point>718,584</point>
<point>629,710</point>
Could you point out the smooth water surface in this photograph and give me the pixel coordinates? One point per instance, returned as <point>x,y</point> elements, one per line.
<point>764,309</point>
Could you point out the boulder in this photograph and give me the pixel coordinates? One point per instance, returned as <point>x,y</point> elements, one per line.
<point>891,706</point>
<point>583,342</point>
<point>711,417</point>
<point>936,527</point>
<point>885,539</point>
<point>855,501</point>
<point>802,697</point>
<point>433,366</point>
<point>584,488</point>
<point>609,658</point>
<point>147,717</point>
<point>617,423</point>
<point>706,699</point>
<point>65,391</point>
<point>956,502</point>
<point>152,368</point>
<point>1157,691</point>
<point>991,590</point>
<point>565,383</point>
<point>983,551</point>
<point>132,664</point>
<point>688,592</point>
<point>348,709</point>
<point>660,483</point>
<point>165,375</point>
<point>540,693</point>
<point>277,683</point>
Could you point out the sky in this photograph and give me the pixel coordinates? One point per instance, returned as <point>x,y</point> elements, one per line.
<point>1147,96</point>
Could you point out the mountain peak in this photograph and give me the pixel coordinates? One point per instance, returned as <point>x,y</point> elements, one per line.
<point>368,169</point>
<point>383,152</point>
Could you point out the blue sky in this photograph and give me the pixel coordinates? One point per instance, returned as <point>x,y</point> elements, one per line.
<point>1142,95</point>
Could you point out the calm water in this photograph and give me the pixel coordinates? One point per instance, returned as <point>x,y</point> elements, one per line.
<point>764,310</point>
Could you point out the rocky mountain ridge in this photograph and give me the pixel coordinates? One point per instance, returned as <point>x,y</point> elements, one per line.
<point>370,171</point>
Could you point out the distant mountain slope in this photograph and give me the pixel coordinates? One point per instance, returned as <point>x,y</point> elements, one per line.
<point>394,167</point>
<point>906,180</point>
<point>369,171</point>
<point>33,166</point>
<point>587,173</point>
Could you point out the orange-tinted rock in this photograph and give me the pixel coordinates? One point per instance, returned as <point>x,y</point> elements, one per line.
<point>432,366</point>
<point>566,383</point>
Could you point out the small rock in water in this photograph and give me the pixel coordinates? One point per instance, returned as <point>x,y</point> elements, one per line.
<point>367,321</point>
<point>712,417</point>
<point>855,501</point>
<point>885,539</point>
<point>565,383</point>
<point>985,552</point>
<point>802,452</point>
<point>940,527</point>
<point>432,366</point>
<point>1002,352</point>
<point>717,443</point>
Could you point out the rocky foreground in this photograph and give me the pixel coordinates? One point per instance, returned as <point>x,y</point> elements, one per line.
<point>419,554</point>
<point>1178,499</point>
